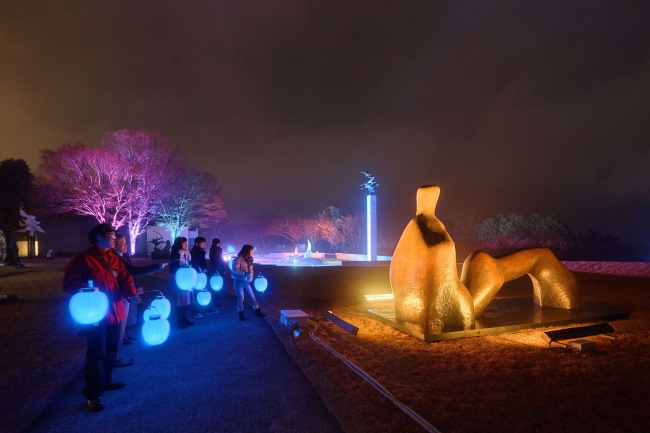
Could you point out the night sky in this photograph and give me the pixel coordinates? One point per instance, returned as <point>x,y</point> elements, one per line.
<point>522,106</point>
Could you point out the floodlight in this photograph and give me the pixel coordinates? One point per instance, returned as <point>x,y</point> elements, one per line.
<point>381,297</point>
<point>347,327</point>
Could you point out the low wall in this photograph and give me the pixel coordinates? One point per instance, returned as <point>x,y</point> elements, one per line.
<point>359,257</point>
<point>285,255</point>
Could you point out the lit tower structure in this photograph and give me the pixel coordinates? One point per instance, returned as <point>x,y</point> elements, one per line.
<point>371,215</point>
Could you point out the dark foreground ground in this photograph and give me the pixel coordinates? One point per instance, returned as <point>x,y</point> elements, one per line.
<point>219,375</point>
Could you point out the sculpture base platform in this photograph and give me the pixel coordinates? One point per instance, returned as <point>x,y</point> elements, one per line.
<point>500,317</point>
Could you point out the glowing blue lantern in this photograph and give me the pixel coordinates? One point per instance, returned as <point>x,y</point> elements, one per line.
<point>156,330</point>
<point>161,306</point>
<point>261,283</point>
<point>216,282</point>
<point>186,278</point>
<point>203,297</point>
<point>201,281</point>
<point>89,306</point>
<point>231,262</point>
<point>230,249</point>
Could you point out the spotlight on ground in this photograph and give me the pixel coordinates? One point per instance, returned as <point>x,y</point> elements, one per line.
<point>293,320</point>
<point>347,327</point>
<point>295,328</point>
<point>376,298</point>
<point>603,329</point>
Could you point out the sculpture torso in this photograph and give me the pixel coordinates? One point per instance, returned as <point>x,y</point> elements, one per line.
<point>423,274</point>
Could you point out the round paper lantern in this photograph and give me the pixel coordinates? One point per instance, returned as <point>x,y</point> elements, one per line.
<point>160,305</point>
<point>203,297</point>
<point>89,306</point>
<point>201,281</point>
<point>186,278</point>
<point>261,283</point>
<point>156,330</point>
<point>163,306</point>
<point>230,262</point>
<point>216,282</point>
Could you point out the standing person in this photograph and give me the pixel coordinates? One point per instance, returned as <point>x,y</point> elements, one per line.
<point>198,262</point>
<point>108,273</point>
<point>216,264</point>
<point>178,257</point>
<point>216,257</point>
<point>12,259</point>
<point>126,332</point>
<point>242,274</point>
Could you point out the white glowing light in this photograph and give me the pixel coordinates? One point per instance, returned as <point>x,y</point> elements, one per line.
<point>88,306</point>
<point>159,306</point>
<point>369,227</point>
<point>186,278</point>
<point>201,281</point>
<point>216,282</point>
<point>203,298</point>
<point>382,297</point>
<point>156,330</point>
<point>261,283</point>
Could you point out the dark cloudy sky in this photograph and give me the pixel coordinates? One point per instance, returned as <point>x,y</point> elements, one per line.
<point>522,106</point>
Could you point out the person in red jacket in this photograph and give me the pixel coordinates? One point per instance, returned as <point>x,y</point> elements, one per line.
<point>106,270</point>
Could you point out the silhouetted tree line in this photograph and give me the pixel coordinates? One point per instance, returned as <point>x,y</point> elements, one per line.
<point>517,231</point>
<point>16,192</point>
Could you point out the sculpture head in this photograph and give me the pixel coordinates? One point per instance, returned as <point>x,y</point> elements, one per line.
<point>427,199</point>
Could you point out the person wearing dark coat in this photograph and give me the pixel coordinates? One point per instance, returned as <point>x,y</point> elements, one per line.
<point>179,257</point>
<point>216,266</point>
<point>199,263</point>
<point>198,255</point>
<point>126,334</point>
<point>216,257</point>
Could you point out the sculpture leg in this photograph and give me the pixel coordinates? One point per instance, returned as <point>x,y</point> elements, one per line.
<point>553,284</point>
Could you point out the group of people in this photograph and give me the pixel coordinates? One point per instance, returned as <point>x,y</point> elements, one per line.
<point>241,272</point>
<point>107,264</point>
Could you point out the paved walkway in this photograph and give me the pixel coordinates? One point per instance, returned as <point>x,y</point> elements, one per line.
<point>221,375</point>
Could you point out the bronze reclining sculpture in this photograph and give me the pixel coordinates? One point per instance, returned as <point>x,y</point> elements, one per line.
<point>428,291</point>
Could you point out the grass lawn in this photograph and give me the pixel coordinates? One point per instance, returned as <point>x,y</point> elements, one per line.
<point>510,382</point>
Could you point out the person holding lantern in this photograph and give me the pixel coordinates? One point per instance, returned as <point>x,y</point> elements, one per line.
<point>201,265</point>
<point>126,336</point>
<point>242,275</point>
<point>107,272</point>
<point>216,257</point>
<point>216,263</point>
<point>178,257</point>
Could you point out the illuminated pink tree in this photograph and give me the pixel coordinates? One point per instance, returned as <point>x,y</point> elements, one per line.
<point>288,227</point>
<point>310,229</point>
<point>329,222</point>
<point>195,200</point>
<point>155,166</point>
<point>351,228</point>
<point>330,230</point>
<point>85,181</point>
